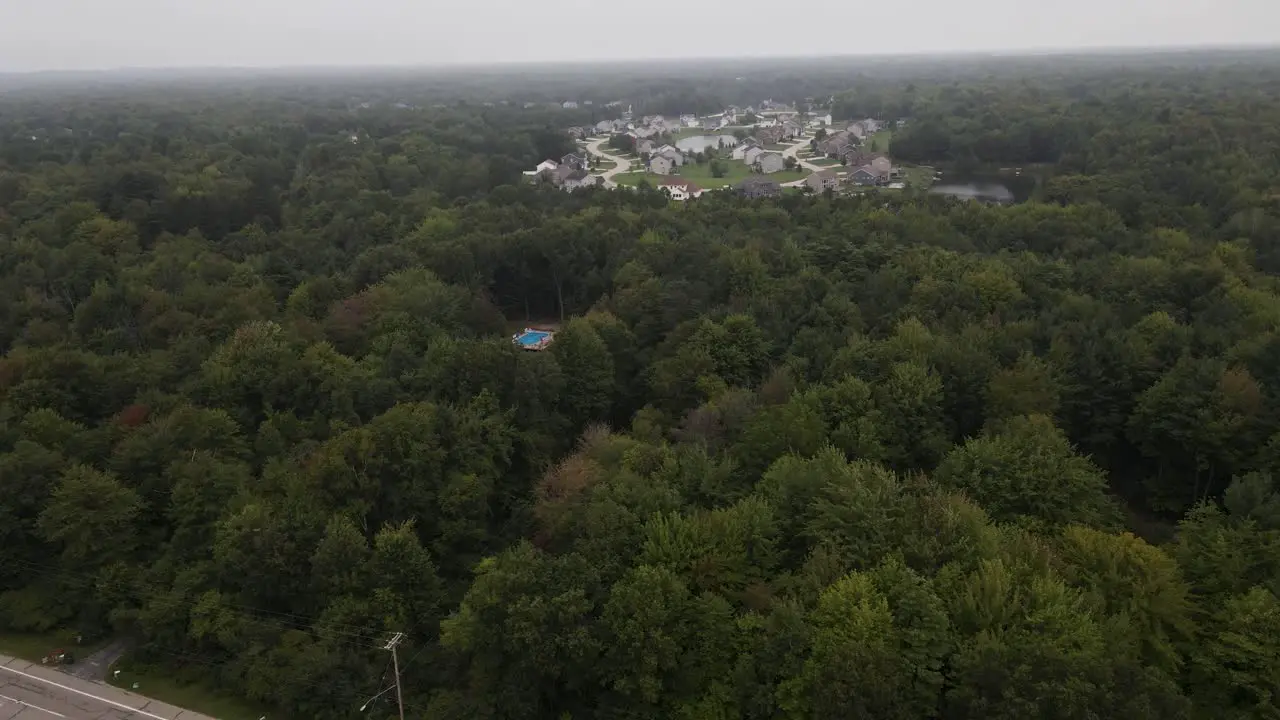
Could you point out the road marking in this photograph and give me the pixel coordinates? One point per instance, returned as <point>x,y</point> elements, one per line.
<point>33,707</point>
<point>112,703</point>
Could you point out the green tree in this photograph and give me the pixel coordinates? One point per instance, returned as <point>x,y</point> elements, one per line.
<point>92,517</point>
<point>584,357</point>
<point>1027,468</point>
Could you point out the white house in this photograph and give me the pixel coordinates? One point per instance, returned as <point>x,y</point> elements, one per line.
<point>680,189</point>
<point>750,154</point>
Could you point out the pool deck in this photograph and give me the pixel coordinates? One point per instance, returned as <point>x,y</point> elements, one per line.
<point>533,339</point>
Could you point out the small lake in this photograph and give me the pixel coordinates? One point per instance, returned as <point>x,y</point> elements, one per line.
<point>996,188</point>
<point>698,143</point>
<point>986,191</point>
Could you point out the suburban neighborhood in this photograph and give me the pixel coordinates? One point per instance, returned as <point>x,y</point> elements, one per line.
<point>756,151</point>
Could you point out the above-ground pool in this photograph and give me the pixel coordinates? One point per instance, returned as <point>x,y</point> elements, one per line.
<point>532,339</point>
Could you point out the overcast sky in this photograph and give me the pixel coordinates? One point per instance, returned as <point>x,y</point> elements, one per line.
<point>103,34</point>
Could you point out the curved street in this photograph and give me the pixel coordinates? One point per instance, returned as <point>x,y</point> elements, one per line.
<point>792,150</point>
<point>621,165</point>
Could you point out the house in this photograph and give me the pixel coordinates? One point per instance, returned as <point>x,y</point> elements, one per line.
<point>569,105</point>
<point>578,180</point>
<point>770,162</point>
<point>578,133</point>
<point>758,187</point>
<point>645,146</point>
<point>792,129</point>
<point>879,163</point>
<point>605,126</point>
<point>574,161</point>
<point>823,120</point>
<point>714,122</point>
<point>741,148</point>
<point>771,135</point>
<point>546,166</point>
<point>832,144</point>
<point>671,153</point>
<point>680,189</point>
<point>563,174</point>
<point>823,180</point>
<point>661,165</point>
<point>851,155</point>
<point>689,120</point>
<point>751,153</point>
<point>867,175</point>
<point>857,130</point>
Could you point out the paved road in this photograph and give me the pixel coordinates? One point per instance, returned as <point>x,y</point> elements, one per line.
<point>95,666</point>
<point>34,692</point>
<point>793,149</point>
<point>595,147</point>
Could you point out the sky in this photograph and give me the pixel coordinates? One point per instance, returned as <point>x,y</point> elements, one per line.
<point>107,34</point>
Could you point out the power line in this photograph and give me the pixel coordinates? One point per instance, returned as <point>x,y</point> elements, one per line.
<point>391,645</point>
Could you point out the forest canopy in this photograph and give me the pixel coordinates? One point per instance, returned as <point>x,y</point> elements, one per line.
<point>892,455</point>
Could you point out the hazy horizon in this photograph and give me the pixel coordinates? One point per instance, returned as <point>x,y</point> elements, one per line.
<point>80,35</point>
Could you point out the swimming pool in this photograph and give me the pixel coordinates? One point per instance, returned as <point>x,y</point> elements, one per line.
<point>532,339</point>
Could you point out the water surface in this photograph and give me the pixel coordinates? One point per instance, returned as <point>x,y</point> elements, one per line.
<point>698,143</point>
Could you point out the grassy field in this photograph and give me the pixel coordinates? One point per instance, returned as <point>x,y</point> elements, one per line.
<point>701,174</point>
<point>879,142</point>
<point>194,696</point>
<point>825,162</point>
<point>32,647</point>
<point>917,177</point>
<point>736,173</point>
<point>603,164</point>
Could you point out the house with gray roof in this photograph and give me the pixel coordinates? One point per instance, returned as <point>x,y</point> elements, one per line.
<point>758,187</point>
<point>770,162</point>
<point>823,180</point>
<point>661,165</point>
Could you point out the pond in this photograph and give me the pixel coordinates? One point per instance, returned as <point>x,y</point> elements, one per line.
<point>698,143</point>
<point>1003,189</point>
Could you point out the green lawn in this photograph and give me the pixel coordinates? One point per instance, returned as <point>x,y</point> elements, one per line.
<point>193,696</point>
<point>603,164</point>
<point>32,647</point>
<point>916,176</point>
<point>825,162</point>
<point>701,174</point>
<point>879,142</point>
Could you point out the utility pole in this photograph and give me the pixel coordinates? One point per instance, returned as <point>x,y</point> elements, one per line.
<point>395,659</point>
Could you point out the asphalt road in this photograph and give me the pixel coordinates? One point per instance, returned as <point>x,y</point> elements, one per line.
<point>595,147</point>
<point>34,692</point>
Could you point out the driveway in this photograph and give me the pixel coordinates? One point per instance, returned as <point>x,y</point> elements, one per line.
<point>793,149</point>
<point>95,666</point>
<point>801,162</point>
<point>621,165</point>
